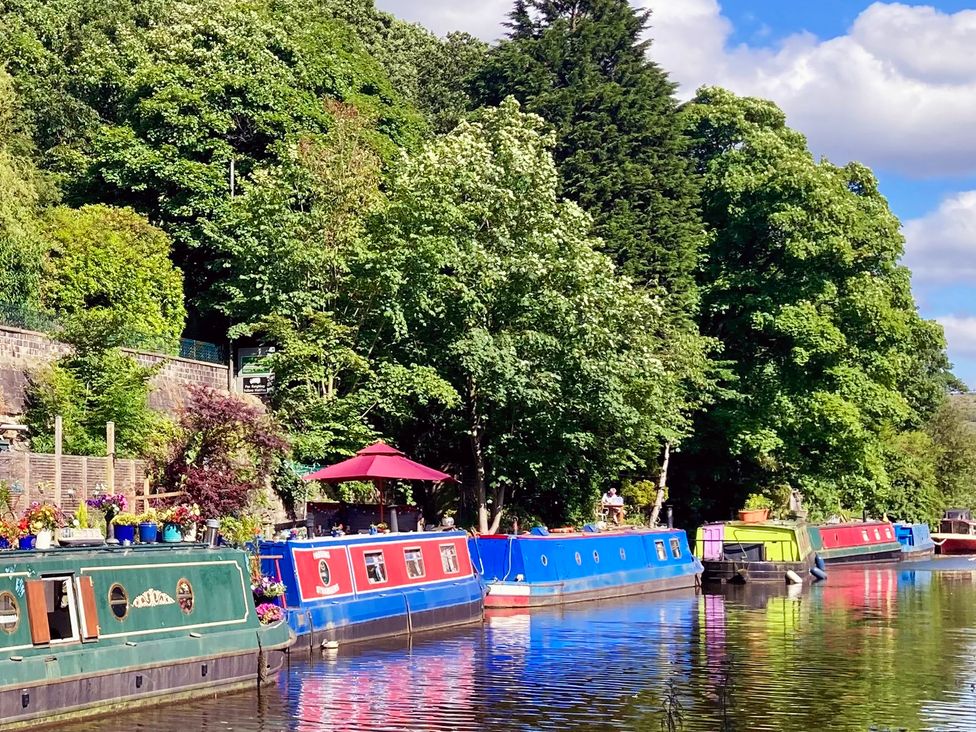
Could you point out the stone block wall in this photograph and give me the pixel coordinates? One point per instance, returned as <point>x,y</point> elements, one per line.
<point>24,350</point>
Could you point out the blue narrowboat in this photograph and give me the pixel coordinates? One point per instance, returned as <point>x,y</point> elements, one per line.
<point>539,568</point>
<point>366,586</point>
<point>915,540</point>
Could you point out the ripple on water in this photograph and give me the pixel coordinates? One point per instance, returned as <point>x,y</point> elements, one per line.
<point>874,648</point>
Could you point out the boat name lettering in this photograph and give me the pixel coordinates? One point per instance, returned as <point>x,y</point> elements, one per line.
<point>153,598</point>
<point>320,555</point>
<point>330,590</point>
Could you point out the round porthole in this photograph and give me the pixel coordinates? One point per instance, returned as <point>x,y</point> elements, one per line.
<point>324,574</point>
<point>118,600</point>
<point>623,553</point>
<point>9,613</point>
<point>579,559</point>
<point>184,596</point>
<point>545,560</point>
<point>596,557</point>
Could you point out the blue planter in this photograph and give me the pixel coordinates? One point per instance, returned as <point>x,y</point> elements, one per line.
<point>26,542</point>
<point>125,534</point>
<point>172,533</point>
<point>4,544</point>
<point>148,533</point>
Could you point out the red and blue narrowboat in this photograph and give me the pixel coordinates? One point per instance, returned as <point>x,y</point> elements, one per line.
<point>365,586</point>
<point>856,541</point>
<point>539,568</point>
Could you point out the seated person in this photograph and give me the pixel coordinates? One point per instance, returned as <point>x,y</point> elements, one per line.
<point>613,505</point>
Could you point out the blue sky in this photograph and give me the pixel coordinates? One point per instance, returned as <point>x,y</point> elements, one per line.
<point>890,84</point>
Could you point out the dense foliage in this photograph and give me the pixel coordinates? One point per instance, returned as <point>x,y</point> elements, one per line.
<point>551,293</point>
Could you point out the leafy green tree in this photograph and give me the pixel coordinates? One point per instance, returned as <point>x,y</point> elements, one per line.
<point>21,244</point>
<point>93,384</point>
<point>104,259</point>
<point>834,370</point>
<point>583,66</point>
<point>954,452</point>
<point>562,380</point>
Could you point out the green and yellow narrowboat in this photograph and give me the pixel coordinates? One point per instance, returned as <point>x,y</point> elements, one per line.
<point>737,551</point>
<point>88,631</point>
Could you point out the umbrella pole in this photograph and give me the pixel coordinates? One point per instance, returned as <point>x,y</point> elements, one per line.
<point>379,485</point>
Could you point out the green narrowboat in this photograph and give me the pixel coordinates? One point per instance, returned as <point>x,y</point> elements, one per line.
<point>96,630</point>
<point>738,551</point>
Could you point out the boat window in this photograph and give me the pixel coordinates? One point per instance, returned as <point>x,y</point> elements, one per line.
<point>415,562</point>
<point>887,533</point>
<point>184,596</point>
<point>52,610</point>
<point>864,535</point>
<point>623,554</point>
<point>375,567</point>
<point>324,574</point>
<point>9,612</point>
<point>877,535</point>
<point>118,600</point>
<point>596,556</point>
<point>449,559</point>
<point>675,548</point>
<point>661,554</point>
<point>579,559</point>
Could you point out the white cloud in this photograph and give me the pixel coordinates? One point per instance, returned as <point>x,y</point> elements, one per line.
<point>898,91</point>
<point>961,333</point>
<point>940,247</point>
<point>481,18</point>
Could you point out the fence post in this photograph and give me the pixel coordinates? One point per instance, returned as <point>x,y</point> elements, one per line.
<point>27,478</point>
<point>84,481</point>
<point>58,444</point>
<point>110,454</point>
<point>145,494</point>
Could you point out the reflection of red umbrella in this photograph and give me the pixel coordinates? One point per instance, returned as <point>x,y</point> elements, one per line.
<point>378,463</point>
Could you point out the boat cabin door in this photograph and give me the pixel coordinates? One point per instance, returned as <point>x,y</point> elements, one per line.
<point>712,541</point>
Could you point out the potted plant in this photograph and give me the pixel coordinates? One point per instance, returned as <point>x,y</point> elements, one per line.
<point>148,526</point>
<point>40,520</point>
<point>125,527</point>
<point>179,521</point>
<point>266,589</point>
<point>109,504</point>
<point>756,509</point>
<point>269,613</point>
<point>9,533</point>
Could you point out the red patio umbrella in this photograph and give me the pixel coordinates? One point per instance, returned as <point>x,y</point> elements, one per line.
<point>378,463</point>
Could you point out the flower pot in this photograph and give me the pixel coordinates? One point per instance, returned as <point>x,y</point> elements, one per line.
<point>172,533</point>
<point>4,544</point>
<point>45,539</point>
<point>190,534</point>
<point>125,534</point>
<point>754,516</point>
<point>148,533</point>
<point>26,542</point>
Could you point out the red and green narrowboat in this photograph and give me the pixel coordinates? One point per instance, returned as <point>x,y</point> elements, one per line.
<point>88,631</point>
<point>856,542</point>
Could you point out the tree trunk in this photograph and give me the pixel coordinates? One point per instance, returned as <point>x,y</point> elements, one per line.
<point>662,483</point>
<point>497,510</point>
<point>478,455</point>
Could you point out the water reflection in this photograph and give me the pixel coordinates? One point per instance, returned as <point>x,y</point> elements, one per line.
<point>882,648</point>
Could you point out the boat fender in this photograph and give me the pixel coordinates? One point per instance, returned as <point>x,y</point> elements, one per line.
<point>793,578</point>
<point>330,645</point>
<point>818,573</point>
<point>819,563</point>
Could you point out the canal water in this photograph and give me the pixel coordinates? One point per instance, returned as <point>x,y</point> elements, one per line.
<point>890,648</point>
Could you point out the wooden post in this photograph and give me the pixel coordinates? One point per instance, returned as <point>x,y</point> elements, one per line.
<point>83,496</point>
<point>145,494</point>
<point>27,478</point>
<point>58,443</point>
<point>110,453</point>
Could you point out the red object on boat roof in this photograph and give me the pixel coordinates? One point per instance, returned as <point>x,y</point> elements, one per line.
<point>378,462</point>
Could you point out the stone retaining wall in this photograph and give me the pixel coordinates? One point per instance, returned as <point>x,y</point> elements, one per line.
<point>23,350</point>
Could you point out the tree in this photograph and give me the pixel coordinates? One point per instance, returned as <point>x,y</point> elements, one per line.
<point>834,370</point>
<point>562,380</point>
<point>583,66</point>
<point>93,384</point>
<point>225,449</point>
<point>104,259</point>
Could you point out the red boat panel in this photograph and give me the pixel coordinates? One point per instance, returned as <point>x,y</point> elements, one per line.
<point>323,573</point>
<point>842,536</point>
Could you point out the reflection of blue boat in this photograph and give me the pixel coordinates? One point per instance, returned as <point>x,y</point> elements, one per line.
<point>533,570</point>
<point>916,543</point>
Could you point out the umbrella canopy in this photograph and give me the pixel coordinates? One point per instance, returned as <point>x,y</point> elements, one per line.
<point>377,463</point>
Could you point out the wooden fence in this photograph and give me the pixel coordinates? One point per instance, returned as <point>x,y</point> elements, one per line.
<point>67,480</point>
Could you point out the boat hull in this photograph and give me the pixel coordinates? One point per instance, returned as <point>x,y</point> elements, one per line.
<point>730,571</point>
<point>951,544</point>
<point>334,594</point>
<point>529,571</point>
<point>861,555</point>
